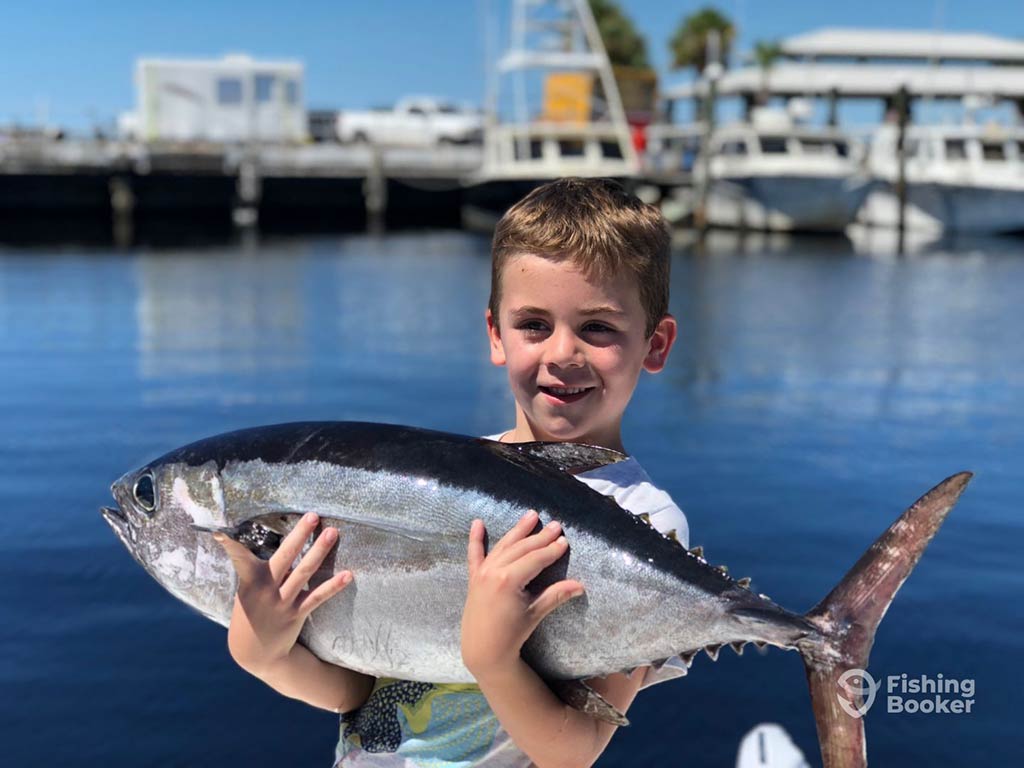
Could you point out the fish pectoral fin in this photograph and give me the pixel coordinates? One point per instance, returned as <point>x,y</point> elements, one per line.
<point>573,458</point>
<point>258,539</point>
<point>231,532</point>
<point>582,697</point>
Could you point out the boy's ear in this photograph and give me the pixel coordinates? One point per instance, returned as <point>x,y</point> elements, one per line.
<point>661,342</point>
<point>494,336</point>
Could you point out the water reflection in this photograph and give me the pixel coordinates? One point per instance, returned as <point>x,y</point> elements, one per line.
<point>258,320</point>
<point>832,334</point>
<point>220,311</point>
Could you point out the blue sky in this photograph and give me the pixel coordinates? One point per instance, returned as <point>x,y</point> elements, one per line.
<point>73,60</point>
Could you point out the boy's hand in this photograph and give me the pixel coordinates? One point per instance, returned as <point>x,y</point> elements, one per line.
<point>500,614</point>
<point>272,596</point>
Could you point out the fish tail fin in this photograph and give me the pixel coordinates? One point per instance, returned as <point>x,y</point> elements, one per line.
<point>849,616</point>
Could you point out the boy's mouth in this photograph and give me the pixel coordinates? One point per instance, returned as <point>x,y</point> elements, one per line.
<point>565,394</point>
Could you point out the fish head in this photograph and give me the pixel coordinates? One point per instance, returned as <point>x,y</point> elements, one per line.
<point>161,510</point>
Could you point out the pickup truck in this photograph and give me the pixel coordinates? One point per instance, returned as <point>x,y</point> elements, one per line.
<point>412,122</point>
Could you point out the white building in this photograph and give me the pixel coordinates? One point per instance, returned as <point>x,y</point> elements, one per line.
<point>233,99</point>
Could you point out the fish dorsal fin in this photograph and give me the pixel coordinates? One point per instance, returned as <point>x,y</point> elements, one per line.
<point>573,458</point>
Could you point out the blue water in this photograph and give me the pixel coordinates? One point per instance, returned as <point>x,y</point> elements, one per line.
<point>814,393</point>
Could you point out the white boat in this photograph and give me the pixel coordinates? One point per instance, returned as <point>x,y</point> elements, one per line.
<point>772,173</point>
<point>553,109</point>
<point>768,745</point>
<point>962,178</point>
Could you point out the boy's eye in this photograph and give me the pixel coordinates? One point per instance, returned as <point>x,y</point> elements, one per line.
<point>533,326</point>
<point>598,328</point>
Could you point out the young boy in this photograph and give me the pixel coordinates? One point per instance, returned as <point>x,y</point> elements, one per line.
<point>578,308</point>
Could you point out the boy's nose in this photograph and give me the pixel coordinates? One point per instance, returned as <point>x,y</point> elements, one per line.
<point>563,350</point>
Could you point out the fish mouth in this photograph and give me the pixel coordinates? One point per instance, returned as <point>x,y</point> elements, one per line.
<point>110,514</point>
<point>120,524</point>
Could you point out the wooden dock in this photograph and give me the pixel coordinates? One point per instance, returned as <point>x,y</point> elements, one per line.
<point>304,187</point>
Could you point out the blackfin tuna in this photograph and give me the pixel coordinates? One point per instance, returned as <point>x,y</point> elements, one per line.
<point>403,500</point>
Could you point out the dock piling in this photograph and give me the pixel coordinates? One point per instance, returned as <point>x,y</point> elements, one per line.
<point>902,105</point>
<point>375,190</point>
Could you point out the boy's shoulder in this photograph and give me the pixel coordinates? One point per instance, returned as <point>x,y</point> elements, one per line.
<point>633,490</point>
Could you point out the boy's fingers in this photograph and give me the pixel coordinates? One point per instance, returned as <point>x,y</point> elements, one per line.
<point>552,597</point>
<point>324,592</point>
<point>475,549</point>
<point>296,581</point>
<point>291,546</point>
<point>533,542</point>
<point>526,568</point>
<point>516,533</point>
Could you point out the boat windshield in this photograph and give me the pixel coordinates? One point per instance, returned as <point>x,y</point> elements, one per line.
<point>734,147</point>
<point>993,150</point>
<point>956,149</point>
<point>773,145</point>
<point>820,146</point>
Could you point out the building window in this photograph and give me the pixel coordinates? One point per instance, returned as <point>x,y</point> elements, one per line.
<point>291,92</point>
<point>264,88</point>
<point>229,90</point>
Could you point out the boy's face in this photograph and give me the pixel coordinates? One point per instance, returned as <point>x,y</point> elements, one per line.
<point>574,348</point>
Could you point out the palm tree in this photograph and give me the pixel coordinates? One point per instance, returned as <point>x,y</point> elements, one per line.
<point>689,44</point>
<point>627,53</point>
<point>625,45</point>
<point>766,53</point>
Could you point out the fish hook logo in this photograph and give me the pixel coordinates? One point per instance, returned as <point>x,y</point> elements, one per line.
<point>854,682</point>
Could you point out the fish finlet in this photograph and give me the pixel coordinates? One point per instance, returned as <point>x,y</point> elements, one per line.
<point>744,582</point>
<point>737,645</point>
<point>697,551</point>
<point>712,651</point>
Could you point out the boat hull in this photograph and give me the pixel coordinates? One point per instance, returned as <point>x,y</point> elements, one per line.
<point>786,203</point>
<point>950,208</point>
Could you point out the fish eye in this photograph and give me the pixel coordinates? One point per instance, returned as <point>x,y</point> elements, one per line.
<point>145,492</point>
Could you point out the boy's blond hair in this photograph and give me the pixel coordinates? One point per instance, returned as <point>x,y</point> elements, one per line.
<point>599,227</point>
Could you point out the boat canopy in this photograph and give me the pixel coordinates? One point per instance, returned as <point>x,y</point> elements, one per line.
<point>893,44</point>
<point>790,79</point>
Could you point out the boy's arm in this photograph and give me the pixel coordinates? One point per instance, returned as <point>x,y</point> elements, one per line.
<point>270,609</point>
<point>498,618</point>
